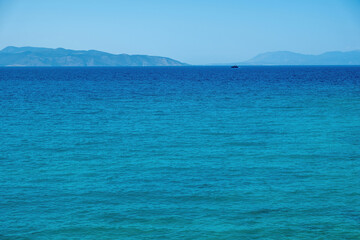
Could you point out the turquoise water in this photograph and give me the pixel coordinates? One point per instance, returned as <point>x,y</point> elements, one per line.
<point>180,153</point>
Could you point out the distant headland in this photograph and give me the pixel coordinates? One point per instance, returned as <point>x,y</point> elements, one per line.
<point>291,58</point>
<point>60,57</point>
<point>49,57</point>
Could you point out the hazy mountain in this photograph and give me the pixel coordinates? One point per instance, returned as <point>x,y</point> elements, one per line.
<point>32,56</point>
<point>290,58</point>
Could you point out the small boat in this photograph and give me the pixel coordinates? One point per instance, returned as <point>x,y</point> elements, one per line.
<point>234,66</point>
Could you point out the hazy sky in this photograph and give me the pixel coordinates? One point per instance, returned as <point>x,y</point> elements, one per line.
<point>193,31</point>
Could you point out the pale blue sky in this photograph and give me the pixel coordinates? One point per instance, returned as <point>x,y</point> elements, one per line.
<point>192,31</point>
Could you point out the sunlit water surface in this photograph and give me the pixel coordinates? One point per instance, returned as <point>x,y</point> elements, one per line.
<point>180,153</point>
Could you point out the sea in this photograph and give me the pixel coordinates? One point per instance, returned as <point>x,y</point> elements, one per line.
<point>98,153</point>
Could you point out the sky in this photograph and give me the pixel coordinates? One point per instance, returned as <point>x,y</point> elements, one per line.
<point>192,31</point>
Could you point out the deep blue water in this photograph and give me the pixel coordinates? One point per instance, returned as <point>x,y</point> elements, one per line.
<point>180,153</point>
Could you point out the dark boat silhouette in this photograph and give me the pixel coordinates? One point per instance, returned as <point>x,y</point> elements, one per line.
<point>234,66</point>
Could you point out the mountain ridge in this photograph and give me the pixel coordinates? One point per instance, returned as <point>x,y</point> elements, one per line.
<point>38,56</point>
<point>292,58</point>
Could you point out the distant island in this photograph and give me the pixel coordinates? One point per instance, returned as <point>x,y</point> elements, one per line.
<point>60,57</point>
<point>291,58</point>
<point>42,57</point>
